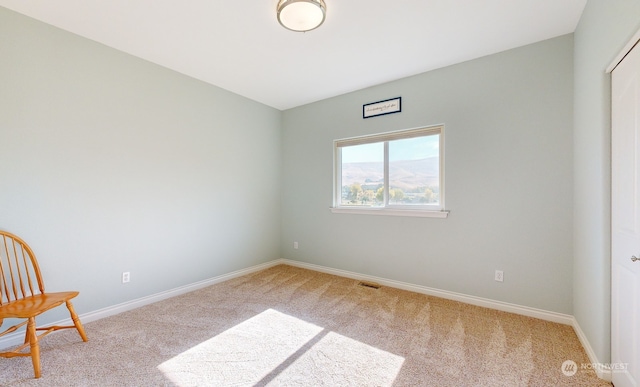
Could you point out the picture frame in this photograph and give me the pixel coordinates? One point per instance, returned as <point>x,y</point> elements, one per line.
<point>380,108</point>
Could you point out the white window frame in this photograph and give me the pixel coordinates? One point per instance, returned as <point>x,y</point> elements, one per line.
<point>425,210</point>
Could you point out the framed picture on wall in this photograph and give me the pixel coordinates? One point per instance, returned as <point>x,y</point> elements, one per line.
<point>388,106</point>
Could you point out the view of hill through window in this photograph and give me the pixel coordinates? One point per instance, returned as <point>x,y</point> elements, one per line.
<point>413,172</point>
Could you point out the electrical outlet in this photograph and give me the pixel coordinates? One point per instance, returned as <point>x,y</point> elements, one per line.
<point>499,276</point>
<point>126,277</point>
<point>295,245</point>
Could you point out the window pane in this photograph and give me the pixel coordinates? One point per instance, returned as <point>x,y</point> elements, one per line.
<point>363,175</point>
<point>414,171</point>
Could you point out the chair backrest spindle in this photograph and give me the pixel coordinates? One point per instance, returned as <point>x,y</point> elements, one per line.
<point>4,288</point>
<point>26,265</point>
<point>17,267</point>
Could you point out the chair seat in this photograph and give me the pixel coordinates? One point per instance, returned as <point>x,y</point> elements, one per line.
<point>34,305</point>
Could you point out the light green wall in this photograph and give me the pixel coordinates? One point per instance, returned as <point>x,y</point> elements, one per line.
<point>508,132</point>
<point>109,163</point>
<point>605,27</point>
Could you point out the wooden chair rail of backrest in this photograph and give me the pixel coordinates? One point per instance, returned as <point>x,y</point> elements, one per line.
<point>19,270</point>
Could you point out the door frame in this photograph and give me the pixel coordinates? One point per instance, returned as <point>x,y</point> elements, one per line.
<point>625,50</point>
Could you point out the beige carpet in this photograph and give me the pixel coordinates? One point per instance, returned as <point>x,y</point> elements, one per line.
<point>286,326</point>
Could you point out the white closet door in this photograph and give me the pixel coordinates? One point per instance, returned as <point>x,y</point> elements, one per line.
<point>625,222</point>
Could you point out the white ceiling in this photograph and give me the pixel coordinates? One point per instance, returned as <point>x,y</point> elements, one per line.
<point>238,44</point>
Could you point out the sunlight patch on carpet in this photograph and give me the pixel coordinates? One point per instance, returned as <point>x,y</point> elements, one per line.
<point>275,348</point>
<point>338,360</point>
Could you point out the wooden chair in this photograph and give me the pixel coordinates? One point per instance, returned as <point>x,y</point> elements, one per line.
<point>19,273</point>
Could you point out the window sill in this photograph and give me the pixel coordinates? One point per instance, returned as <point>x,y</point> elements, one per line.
<point>391,212</point>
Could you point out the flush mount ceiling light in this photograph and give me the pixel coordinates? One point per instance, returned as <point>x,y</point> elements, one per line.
<point>301,15</point>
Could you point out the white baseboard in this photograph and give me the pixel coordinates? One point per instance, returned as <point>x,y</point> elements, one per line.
<point>17,338</point>
<point>473,300</point>
<point>602,372</point>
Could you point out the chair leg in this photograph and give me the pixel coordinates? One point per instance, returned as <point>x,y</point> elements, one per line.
<point>76,321</point>
<point>35,346</point>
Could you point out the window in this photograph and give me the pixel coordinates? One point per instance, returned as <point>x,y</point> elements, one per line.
<point>395,173</point>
